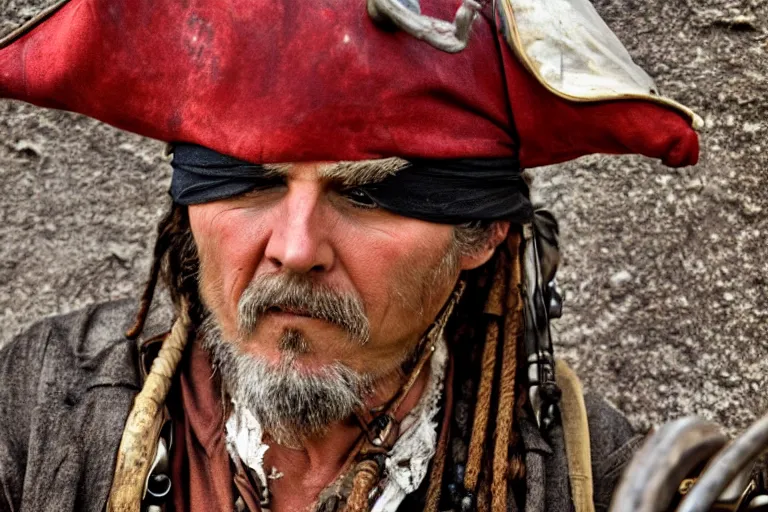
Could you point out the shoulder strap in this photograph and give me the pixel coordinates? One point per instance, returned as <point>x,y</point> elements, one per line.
<point>576,432</point>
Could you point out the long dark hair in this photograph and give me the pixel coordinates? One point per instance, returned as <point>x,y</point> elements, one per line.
<point>175,261</point>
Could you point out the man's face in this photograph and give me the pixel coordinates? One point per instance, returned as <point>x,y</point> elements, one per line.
<point>314,293</point>
<point>391,272</point>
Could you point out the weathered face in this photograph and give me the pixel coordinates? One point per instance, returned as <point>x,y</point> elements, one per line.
<point>315,292</point>
<point>308,231</point>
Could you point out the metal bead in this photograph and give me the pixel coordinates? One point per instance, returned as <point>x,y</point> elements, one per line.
<point>468,503</point>
<point>454,494</point>
<point>458,473</point>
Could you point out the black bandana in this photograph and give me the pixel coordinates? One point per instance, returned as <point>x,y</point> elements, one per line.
<point>443,191</point>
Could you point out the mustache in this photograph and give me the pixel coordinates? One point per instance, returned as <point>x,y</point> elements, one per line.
<point>301,295</point>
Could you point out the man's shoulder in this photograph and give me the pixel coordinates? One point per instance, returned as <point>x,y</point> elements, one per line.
<point>86,344</point>
<point>609,429</point>
<point>66,385</point>
<point>80,335</point>
<point>613,442</point>
<point>605,419</point>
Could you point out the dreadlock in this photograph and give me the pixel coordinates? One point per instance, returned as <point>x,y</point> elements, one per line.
<point>486,453</point>
<point>482,398</point>
<point>174,258</point>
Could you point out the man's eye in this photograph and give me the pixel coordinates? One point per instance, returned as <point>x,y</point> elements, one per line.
<point>359,198</point>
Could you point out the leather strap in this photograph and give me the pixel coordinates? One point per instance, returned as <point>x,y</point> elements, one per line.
<point>576,432</point>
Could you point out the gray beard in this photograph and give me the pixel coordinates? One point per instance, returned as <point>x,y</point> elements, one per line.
<point>291,405</point>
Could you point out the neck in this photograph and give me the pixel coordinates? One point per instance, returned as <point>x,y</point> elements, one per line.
<point>316,462</point>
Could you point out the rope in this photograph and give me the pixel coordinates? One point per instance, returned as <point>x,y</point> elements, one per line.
<point>139,442</point>
<point>367,473</point>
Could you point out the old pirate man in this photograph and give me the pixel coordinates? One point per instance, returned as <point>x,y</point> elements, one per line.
<point>361,289</point>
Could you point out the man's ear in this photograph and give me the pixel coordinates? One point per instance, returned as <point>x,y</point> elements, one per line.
<point>481,254</point>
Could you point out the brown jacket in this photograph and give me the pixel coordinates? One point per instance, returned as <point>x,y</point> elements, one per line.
<point>67,383</point>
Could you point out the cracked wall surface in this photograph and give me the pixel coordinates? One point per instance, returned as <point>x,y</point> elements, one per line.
<point>664,270</point>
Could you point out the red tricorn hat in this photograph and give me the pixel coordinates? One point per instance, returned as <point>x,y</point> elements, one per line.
<point>281,81</point>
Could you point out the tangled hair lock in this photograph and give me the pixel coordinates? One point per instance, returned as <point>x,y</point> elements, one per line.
<point>479,453</point>
<point>175,260</point>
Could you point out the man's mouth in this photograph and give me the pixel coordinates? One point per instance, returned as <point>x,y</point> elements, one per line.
<point>289,311</point>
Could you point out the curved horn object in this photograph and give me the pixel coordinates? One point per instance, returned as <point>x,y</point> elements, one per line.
<point>138,446</point>
<point>443,35</point>
<point>726,466</point>
<point>650,482</point>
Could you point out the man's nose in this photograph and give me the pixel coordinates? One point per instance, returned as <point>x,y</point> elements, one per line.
<point>300,241</point>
